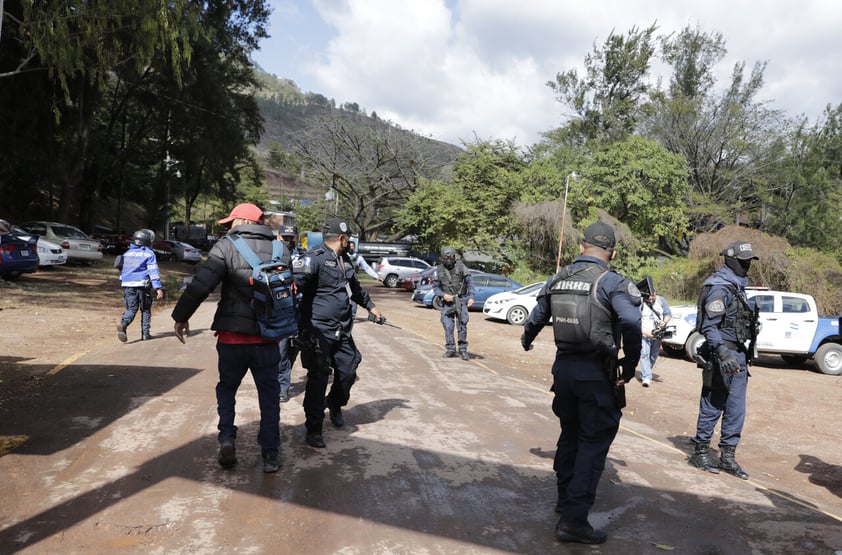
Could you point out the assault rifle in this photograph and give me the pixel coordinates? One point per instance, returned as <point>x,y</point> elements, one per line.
<point>381,321</point>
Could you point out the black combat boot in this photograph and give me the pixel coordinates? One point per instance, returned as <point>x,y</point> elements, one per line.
<point>729,464</point>
<point>701,458</point>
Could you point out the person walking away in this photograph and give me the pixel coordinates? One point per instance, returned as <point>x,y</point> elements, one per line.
<point>328,284</point>
<point>239,345</point>
<point>655,314</point>
<point>139,276</point>
<point>728,323</point>
<point>592,311</point>
<point>453,283</point>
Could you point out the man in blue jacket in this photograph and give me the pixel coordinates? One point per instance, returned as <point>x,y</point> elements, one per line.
<point>727,321</point>
<point>139,275</point>
<point>590,309</point>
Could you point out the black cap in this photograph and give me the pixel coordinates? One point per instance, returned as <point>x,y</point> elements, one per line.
<point>288,230</point>
<point>600,235</point>
<point>336,226</point>
<point>646,287</point>
<point>740,250</point>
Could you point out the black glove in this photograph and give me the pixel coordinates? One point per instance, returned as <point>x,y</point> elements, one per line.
<point>628,369</point>
<point>728,363</point>
<point>526,344</point>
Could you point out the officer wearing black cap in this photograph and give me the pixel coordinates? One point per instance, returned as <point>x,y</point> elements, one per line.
<point>591,309</point>
<point>327,282</point>
<point>727,321</point>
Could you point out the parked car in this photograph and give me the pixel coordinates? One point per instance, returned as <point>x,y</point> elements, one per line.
<point>412,281</point>
<point>75,242</point>
<point>17,255</point>
<point>513,306</point>
<point>49,253</point>
<point>177,250</point>
<point>485,285</point>
<point>392,268</point>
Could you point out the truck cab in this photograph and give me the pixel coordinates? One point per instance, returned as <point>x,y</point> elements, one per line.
<point>790,326</point>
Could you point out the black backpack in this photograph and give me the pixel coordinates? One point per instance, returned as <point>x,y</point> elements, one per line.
<point>273,297</point>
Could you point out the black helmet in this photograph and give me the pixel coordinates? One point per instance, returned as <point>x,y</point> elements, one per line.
<point>448,257</point>
<point>143,237</point>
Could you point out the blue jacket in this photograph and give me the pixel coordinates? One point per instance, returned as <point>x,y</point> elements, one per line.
<point>617,293</point>
<point>140,268</point>
<point>718,304</point>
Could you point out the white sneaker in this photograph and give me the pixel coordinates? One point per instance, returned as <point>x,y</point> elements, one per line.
<point>646,382</point>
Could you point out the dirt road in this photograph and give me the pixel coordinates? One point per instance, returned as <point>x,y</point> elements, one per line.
<point>110,446</point>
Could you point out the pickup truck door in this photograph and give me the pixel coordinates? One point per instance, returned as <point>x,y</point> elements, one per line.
<point>788,322</point>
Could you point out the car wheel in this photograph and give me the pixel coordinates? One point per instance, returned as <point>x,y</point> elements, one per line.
<point>391,281</point>
<point>673,350</point>
<point>829,359</point>
<point>695,341</point>
<point>11,276</point>
<point>437,302</point>
<point>795,360</point>
<point>517,316</point>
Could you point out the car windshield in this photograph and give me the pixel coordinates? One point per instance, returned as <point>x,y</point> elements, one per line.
<point>69,231</point>
<point>526,289</point>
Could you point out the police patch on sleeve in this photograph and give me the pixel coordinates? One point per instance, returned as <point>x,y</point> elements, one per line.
<point>632,289</point>
<point>715,308</point>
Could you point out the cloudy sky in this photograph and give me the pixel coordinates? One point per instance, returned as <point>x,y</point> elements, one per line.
<point>455,69</point>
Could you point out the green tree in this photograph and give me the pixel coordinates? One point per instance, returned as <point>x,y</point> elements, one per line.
<point>640,184</point>
<point>728,139</point>
<point>607,100</point>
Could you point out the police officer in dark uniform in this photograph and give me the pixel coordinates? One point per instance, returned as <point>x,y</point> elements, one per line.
<point>454,285</point>
<point>728,324</point>
<point>327,282</point>
<point>591,308</point>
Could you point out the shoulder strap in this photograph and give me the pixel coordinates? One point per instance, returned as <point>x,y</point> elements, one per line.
<point>277,251</point>
<point>244,249</point>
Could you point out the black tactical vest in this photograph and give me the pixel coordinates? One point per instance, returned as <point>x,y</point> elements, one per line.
<point>452,281</point>
<point>580,322</point>
<point>743,320</point>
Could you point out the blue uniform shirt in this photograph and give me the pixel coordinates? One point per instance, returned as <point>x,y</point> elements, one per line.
<point>327,284</point>
<point>616,292</point>
<point>716,303</point>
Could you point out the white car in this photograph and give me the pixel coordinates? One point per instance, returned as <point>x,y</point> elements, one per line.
<point>75,242</point>
<point>513,306</point>
<point>49,253</point>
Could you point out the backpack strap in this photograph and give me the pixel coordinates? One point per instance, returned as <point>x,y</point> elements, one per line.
<point>244,249</point>
<point>277,251</point>
<point>251,258</point>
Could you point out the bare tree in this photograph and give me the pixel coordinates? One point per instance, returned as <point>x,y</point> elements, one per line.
<point>370,165</point>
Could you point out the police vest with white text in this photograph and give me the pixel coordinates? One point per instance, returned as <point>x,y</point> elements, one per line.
<point>580,322</point>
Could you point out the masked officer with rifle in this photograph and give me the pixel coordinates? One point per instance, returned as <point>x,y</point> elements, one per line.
<point>454,285</point>
<point>592,310</point>
<point>729,325</point>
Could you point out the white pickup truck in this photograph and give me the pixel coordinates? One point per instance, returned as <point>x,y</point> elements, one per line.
<point>790,326</point>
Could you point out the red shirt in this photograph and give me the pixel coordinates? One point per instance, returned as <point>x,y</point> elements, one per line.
<point>234,338</point>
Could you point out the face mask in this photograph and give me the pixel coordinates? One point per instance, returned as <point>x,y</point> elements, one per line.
<point>739,267</point>
<point>449,263</point>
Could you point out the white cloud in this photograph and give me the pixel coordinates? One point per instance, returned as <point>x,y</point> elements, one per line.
<point>453,68</point>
